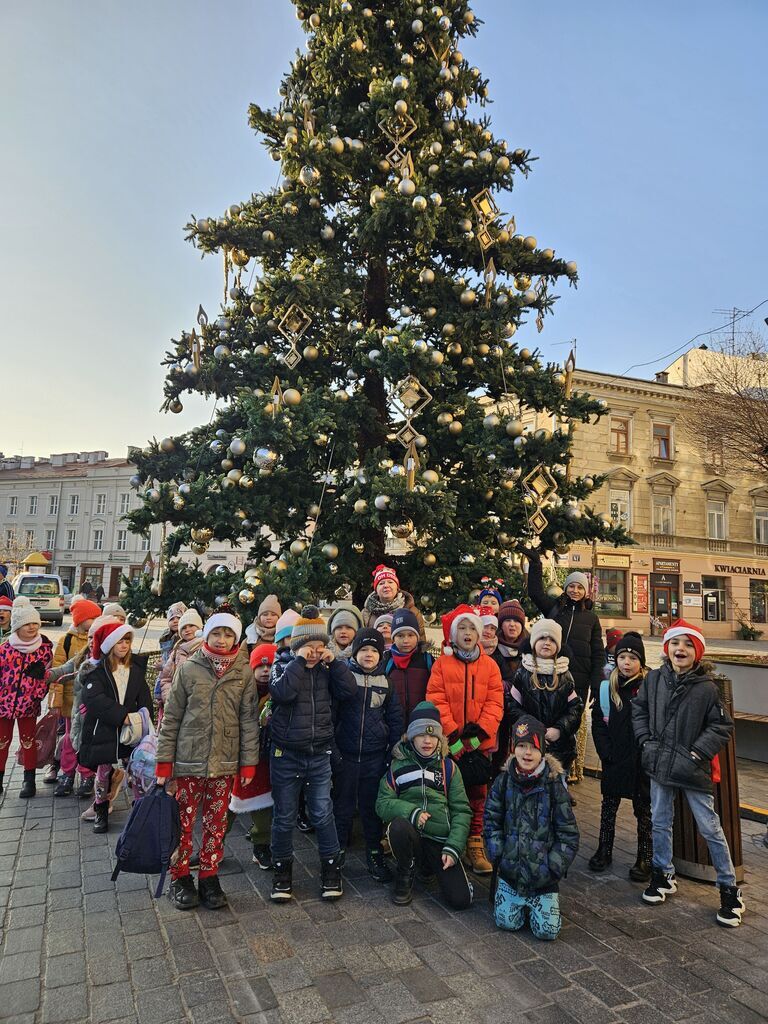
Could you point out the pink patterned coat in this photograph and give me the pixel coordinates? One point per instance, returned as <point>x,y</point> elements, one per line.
<point>20,694</point>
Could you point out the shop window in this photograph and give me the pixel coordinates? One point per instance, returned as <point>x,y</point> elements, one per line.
<point>662,441</point>
<point>715,519</point>
<point>620,508</point>
<point>93,574</point>
<point>662,514</point>
<point>611,597</point>
<point>761,525</point>
<point>714,597</point>
<point>758,600</point>
<point>619,436</point>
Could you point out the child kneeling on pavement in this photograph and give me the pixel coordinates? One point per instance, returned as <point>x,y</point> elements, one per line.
<point>423,802</point>
<point>530,832</point>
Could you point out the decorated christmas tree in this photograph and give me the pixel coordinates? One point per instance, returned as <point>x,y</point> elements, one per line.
<point>370,388</point>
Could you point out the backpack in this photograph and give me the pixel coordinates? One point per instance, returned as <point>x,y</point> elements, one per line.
<point>605,699</point>
<point>150,837</point>
<point>427,657</point>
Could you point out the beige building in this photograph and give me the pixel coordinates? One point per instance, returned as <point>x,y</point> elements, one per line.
<point>701,531</point>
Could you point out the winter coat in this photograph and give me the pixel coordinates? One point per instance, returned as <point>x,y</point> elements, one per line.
<point>105,713</point>
<point>21,694</point>
<point>76,726</point>
<point>673,715</point>
<point>531,835</point>
<point>621,772</point>
<point>508,666</point>
<point>467,692</point>
<point>208,728</point>
<point>62,691</point>
<point>183,650</point>
<point>559,709</point>
<point>582,631</point>
<point>374,607</point>
<point>414,784</point>
<point>371,722</point>
<point>410,683</point>
<point>302,714</point>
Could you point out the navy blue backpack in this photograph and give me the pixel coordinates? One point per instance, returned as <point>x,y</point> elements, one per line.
<point>150,837</point>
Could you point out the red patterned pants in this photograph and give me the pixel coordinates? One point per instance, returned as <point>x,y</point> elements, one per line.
<point>213,796</point>
<point>476,796</point>
<point>26,737</point>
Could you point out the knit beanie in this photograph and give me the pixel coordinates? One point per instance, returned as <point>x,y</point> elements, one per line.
<point>528,729</point>
<point>270,604</point>
<point>633,643</point>
<point>176,610</point>
<point>191,617</point>
<point>402,620</point>
<point>424,721</point>
<point>383,572</point>
<point>488,617</point>
<point>114,609</point>
<point>263,654</point>
<point>577,577</point>
<point>285,624</point>
<point>511,610</point>
<point>546,627</point>
<point>612,637</point>
<point>681,628</point>
<point>383,620</point>
<point>226,620</point>
<point>106,636</point>
<point>368,637</point>
<point>84,610</point>
<point>345,614</point>
<point>450,624</point>
<point>309,626</point>
<point>23,613</point>
<point>489,592</point>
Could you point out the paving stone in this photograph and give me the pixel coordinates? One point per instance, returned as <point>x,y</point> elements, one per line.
<point>287,976</point>
<point>68,969</point>
<point>19,967</point>
<point>155,973</point>
<point>110,1002</point>
<point>203,987</point>
<point>543,975</point>
<point>26,917</point>
<point>251,995</point>
<point>424,984</point>
<point>23,940</point>
<point>69,1003</point>
<point>303,1007</point>
<point>339,989</point>
<point>159,1005</point>
<point>22,996</point>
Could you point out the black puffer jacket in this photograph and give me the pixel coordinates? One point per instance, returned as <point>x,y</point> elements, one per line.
<point>582,631</point>
<point>105,714</point>
<point>371,722</point>
<point>674,715</point>
<point>615,743</point>
<point>302,718</point>
<point>559,709</point>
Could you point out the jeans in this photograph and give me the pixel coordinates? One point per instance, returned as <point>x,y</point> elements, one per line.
<point>291,773</point>
<point>355,787</point>
<point>409,846</point>
<point>543,908</point>
<point>711,831</point>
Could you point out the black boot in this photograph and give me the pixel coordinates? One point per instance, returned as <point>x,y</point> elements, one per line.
<point>404,876</point>
<point>101,821</point>
<point>331,884</point>
<point>65,786</point>
<point>282,880</point>
<point>211,894</point>
<point>28,789</point>
<point>377,866</point>
<point>262,855</point>
<point>601,858</point>
<point>2,776</point>
<point>85,789</point>
<point>640,870</point>
<point>731,906</point>
<point>183,894</point>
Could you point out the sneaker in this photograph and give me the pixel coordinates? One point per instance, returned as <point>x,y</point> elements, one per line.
<point>85,790</point>
<point>282,880</point>
<point>51,774</point>
<point>731,906</point>
<point>183,894</point>
<point>262,855</point>
<point>65,786</point>
<point>331,885</point>
<point>661,886</point>
<point>303,825</point>
<point>212,895</point>
<point>377,866</point>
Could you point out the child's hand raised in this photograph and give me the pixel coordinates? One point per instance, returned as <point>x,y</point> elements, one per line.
<point>327,656</point>
<point>552,735</point>
<point>448,861</point>
<point>308,653</point>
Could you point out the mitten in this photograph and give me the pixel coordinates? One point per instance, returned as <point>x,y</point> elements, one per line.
<point>36,670</point>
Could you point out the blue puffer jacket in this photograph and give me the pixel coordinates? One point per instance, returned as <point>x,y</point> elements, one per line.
<point>371,723</point>
<point>302,718</point>
<point>530,832</point>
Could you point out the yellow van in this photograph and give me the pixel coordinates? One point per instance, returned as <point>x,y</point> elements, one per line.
<point>45,591</point>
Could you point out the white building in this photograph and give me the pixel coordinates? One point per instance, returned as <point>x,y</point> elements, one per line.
<point>72,507</point>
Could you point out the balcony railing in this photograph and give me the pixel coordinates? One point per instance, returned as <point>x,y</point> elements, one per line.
<point>718,546</point>
<point>663,540</point>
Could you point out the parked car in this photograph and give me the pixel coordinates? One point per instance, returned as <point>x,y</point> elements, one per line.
<point>45,591</point>
<point>68,595</point>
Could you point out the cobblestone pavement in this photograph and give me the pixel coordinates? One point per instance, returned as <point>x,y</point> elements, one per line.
<point>77,947</point>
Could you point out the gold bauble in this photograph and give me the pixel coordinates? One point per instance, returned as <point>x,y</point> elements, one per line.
<point>525,353</point>
<point>522,282</point>
<point>246,482</point>
<point>454,348</point>
<point>360,506</point>
<point>298,547</point>
<point>467,297</point>
<point>467,361</point>
<point>246,597</point>
<point>482,349</point>
<point>321,440</point>
<point>429,476</point>
<point>548,254</point>
<point>167,445</point>
<point>239,257</point>
<point>514,428</point>
<point>330,551</point>
<point>357,45</point>
<point>444,418</point>
<point>491,421</point>
<point>436,357</point>
<point>202,534</point>
<point>198,549</point>
<point>311,353</point>
<point>445,582</point>
<point>430,559</point>
<point>292,396</point>
<point>358,547</point>
<point>529,242</point>
<point>175,406</point>
<point>403,529</point>
<point>455,428</point>
<point>178,502</point>
<point>280,565</point>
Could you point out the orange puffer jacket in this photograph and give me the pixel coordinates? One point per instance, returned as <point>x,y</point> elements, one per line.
<point>467,692</point>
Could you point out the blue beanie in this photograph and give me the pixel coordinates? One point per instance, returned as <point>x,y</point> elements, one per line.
<point>404,619</point>
<point>489,592</point>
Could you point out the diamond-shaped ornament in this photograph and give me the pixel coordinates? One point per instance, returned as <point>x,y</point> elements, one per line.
<point>407,435</point>
<point>401,162</point>
<point>540,484</point>
<point>538,522</point>
<point>398,127</point>
<point>485,206</point>
<point>410,397</point>
<point>484,237</point>
<point>440,50</point>
<point>294,324</point>
<point>292,358</point>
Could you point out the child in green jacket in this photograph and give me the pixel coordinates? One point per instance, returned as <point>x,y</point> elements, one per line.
<point>423,802</point>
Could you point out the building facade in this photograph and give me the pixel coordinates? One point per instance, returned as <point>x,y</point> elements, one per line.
<point>72,507</point>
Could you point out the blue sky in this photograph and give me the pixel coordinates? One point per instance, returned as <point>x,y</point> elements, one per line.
<point>119,120</point>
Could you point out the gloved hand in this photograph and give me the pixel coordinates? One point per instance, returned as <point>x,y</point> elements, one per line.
<point>473,729</point>
<point>36,670</point>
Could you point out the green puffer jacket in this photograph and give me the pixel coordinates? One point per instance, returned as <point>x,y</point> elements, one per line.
<point>209,727</point>
<point>414,784</point>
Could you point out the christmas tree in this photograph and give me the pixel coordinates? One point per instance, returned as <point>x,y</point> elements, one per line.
<point>368,380</point>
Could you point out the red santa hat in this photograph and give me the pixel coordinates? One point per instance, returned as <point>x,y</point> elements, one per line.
<point>106,636</point>
<point>383,572</point>
<point>488,616</point>
<point>682,628</point>
<point>450,623</point>
<point>6,602</point>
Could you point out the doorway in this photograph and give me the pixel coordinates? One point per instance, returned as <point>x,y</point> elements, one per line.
<point>664,607</point>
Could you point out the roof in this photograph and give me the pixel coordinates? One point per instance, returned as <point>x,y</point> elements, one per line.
<point>73,470</point>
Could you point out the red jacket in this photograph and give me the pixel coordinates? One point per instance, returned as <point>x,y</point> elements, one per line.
<point>21,694</point>
<point>468,692</point>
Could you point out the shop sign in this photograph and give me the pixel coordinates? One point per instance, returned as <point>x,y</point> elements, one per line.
<point>691,587</point>
<point>692,600</point>
<point>742,570</point>
<point>640,593</point>
<point>613,561</point>
<point>666,565</point>
<point>663,579</point>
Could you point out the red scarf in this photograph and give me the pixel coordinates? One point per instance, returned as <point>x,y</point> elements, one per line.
<point>220,663</point>
<point>402,661</point>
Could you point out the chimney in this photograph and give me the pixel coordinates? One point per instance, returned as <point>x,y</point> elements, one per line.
<point>662,377</point>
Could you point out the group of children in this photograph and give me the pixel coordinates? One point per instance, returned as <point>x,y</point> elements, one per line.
<point>455,761</point>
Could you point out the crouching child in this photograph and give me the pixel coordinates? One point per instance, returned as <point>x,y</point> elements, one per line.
<point>531,834</point>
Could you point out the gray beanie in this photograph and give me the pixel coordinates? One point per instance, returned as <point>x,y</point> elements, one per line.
<point>345,614</point>
<point>577,577</point>
<point>309,626</point>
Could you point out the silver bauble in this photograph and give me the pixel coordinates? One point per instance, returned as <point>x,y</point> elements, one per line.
<point>406,187</point>
<point>237,446</point>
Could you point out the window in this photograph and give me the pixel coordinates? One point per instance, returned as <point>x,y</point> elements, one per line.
<point>145,543</point>
<point>619,436</point>
<point>122,540</point>
<point>13,505</point>
<point>74,504</point>
<point>662,514</point>
<point>662,441</point>
<point>101,504</point>
<point>92,573</point>
<point>715,520</point>
<point>761,525</point>
<point>611,597</point>
<point>620,508</point>
<point>758,600</point>
<point>33,505</point>
<point>98,540</point>
<point>29,539</point>
<point>71,539</point>
<point>10,537</point>
<point>713,588</point>
<point>50,540</point>
<point>53,505</point>
<point>125,502</point>
<point>714,454</point>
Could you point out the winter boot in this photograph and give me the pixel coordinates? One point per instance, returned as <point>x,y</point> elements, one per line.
<point>101,821</point>
<point>183,894</point>
<point>640,870</point>
<point>282,880</point>
<point>65,786</point>
<point>661,886</point>
<point>51,773</point>
<point>731,906</point>
<point>211,894</point>
<point>476,856</point>
<point>377,866</point>
<point>262,855</point>
<point>601,858</point>
<point>85,790</point>
<point>302,823</point>
<point>404,876</point>
<point>331,887</point>
<point>28,788</point>
<point>2,776</point>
